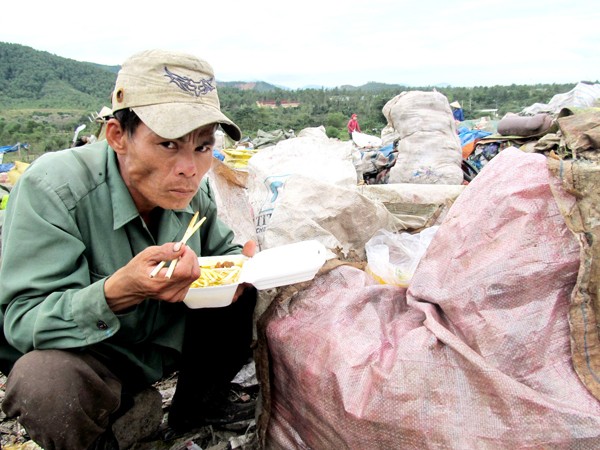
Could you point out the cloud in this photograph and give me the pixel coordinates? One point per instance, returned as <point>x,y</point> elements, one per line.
<point>464,43</point>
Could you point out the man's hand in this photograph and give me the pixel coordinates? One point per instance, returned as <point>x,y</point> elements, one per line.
<point>249,250</point>
<point>132,283</point>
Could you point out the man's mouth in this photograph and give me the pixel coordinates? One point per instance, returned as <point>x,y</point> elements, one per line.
<point>183,192</point>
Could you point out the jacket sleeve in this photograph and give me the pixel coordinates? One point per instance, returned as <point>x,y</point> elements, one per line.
<point>47,299</point>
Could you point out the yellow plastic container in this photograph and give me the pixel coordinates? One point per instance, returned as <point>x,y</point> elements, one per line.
<point>15,173</point>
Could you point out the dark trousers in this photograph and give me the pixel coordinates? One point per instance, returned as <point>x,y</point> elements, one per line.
<point>217,344</point>
<point>66,399</point>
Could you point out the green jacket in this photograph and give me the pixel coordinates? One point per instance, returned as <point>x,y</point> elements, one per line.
<point>71,223</point>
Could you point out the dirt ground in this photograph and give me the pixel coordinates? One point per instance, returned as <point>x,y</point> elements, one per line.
<point>239,436</point>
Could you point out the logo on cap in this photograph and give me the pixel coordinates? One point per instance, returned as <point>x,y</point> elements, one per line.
<point>186,84</point>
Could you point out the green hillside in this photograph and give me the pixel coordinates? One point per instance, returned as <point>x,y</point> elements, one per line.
<point>34,79</point>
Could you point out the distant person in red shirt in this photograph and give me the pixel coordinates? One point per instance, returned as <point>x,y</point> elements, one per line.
<point>353,125</point>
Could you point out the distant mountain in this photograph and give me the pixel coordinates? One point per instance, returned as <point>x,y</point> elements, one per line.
<point>33,78</point>
<point>113,69</point>
<point>373,86</point>
<point>259,86</point>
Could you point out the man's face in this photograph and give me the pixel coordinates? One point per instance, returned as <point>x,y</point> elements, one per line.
<point>164,172</point>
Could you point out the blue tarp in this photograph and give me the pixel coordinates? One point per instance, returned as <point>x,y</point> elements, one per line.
<point>217,154</point>
<point>13,148</point>
<point>6,167</point>
<point>387,150</point>
<point>467,135</point>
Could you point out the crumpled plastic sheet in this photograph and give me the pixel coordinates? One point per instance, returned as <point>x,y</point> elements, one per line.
<point>474,355</point>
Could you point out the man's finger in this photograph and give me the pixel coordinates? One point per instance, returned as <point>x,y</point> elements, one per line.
<point>249,249</point>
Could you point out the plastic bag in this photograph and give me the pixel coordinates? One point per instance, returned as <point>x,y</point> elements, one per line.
<point>365,140</point>
<point>393,257</point>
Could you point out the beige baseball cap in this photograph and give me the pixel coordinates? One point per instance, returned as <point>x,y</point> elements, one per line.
<point>173,93</point>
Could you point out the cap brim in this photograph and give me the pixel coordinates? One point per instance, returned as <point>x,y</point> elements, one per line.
<point>174,120</point>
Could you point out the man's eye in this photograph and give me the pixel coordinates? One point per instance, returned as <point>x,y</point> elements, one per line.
<point>203,148</point>
<point>168,144</point>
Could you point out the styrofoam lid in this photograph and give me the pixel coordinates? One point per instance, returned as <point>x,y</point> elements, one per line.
<point>285,264</point>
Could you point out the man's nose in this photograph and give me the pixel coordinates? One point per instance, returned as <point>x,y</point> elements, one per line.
<point>186,164</point>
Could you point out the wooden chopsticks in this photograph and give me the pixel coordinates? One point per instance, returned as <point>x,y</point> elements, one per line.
<point>191,229</point>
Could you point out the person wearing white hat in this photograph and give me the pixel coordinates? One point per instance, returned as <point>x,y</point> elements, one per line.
<point>86,326</point>
<point>457,111</point>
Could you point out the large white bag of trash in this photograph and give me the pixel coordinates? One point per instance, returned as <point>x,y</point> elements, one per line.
<point>417,206</point>
<point>473,355</point>
<point>228,188</point>
<point>363,140</point>
<point>306,188</point>
<point>429,149</point>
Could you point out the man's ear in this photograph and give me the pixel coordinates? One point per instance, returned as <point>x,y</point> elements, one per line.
<point>116,136</point>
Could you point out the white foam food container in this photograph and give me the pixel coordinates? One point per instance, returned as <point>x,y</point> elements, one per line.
<point>274,267</point>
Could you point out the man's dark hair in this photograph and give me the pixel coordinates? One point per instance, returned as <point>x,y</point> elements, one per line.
<point>128,119</point>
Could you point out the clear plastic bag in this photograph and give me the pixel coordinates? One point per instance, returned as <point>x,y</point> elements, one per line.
<point>393,257</point>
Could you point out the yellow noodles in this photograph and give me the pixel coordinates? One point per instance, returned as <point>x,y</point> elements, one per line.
<point>210,276</point>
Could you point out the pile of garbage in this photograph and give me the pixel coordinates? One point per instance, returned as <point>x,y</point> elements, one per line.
<point>566,128</point>
<point>447,315</point>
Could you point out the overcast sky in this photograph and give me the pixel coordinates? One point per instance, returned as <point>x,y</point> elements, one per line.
<point>329,42</point>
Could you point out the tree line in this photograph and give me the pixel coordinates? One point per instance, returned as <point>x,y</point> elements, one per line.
<point>332,107</point>
<point>44,97</point>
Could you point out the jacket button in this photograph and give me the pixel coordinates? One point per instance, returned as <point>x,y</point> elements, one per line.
<point>101,325</point>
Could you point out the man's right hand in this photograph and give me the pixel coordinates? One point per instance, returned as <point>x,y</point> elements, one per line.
<point>131,284</point>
